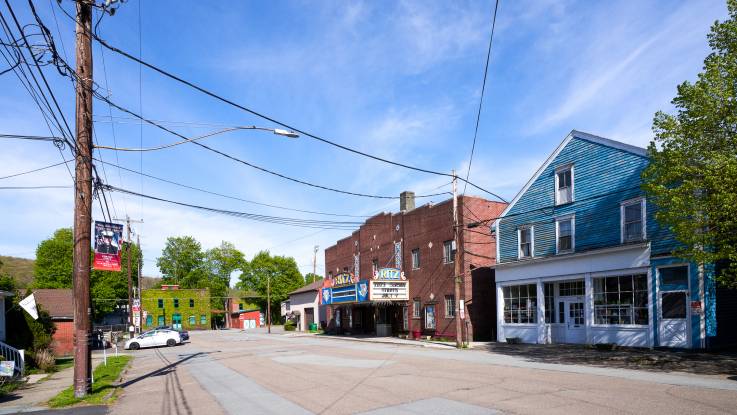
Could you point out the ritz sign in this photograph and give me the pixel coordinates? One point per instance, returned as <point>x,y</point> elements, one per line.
<point>345,278</point>
<point>389,284</point>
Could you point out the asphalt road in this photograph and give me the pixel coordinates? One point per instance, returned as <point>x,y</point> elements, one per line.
<point>234,372</point>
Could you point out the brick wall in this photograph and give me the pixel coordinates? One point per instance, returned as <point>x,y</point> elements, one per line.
<point>424,228</point>
<point>63,339</point>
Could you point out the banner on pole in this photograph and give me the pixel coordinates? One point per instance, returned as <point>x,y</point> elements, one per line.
<point>29,304</point>
<point>108,246</point>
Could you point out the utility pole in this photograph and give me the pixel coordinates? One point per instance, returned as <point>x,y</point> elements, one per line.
<point>314,264</point>
<point>127,220</point>
<point>268,302</point>
<point>83,203</point>
<point>457,264</point>
<point>140,265</point>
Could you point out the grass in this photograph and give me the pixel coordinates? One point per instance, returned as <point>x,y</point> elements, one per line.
<point>7,387</point>
<point>61,364</point>
<point>103,390</point>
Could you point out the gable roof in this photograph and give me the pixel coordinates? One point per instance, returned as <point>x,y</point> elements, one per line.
<point>59,302</point>
<point>639,151</point>
<point>313,286</point>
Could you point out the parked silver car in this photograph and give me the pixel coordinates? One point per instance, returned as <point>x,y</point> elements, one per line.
<point>154,338</point>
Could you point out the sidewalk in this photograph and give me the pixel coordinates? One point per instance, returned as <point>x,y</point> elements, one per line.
<point>383,340</point>
<point>33,397</point>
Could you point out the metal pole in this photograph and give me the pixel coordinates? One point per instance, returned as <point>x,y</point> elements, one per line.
<point>83,203</point>
<point>314,264</point>
<point>457,264</point>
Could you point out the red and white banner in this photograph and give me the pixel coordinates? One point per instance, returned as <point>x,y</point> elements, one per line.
<point>108,246</point>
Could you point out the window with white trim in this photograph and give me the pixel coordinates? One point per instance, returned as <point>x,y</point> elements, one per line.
<point>564,185</point>
<point>450,306</point>
<point>449,251</point>
<point>621,299</point>
<point>374,266</point>
<point>416,258</point>
<point>525,235</point>
<point>633,220</point>
<point>520,304</point>
<point>565,234</point>
<point>416,308</point>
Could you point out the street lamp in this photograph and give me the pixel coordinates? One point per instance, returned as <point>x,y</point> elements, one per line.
<point>276,131</point>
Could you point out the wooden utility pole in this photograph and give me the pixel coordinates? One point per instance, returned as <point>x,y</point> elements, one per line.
<point>83,203</point>
<point>457,264</point>
<point>128,221</point>
<point>138,242</point>
<point>130,281</point>
<point>268,302</point>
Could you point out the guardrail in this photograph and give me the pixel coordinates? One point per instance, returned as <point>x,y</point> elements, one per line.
<point>18,356</point>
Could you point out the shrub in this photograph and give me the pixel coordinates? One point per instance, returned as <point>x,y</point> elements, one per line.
<point>44,360</point>
<point>290,325</point>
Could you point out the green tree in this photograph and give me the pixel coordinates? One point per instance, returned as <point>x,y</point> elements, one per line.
<point>692,178</point>
<point>221,262</point>
<point>182,262</point>
<point>53,268</point>
<point>279,272</point>
<point>310,278</point>
<point>7,283</point>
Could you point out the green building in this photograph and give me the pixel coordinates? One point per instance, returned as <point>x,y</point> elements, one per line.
<point>187,309</point>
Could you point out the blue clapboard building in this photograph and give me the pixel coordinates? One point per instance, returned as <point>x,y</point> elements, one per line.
<point>580,258</point>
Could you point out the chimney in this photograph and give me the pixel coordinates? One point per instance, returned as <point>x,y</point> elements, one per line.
<point>406,201</point>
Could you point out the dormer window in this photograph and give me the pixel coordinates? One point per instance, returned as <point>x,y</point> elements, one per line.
<point>564,185</point>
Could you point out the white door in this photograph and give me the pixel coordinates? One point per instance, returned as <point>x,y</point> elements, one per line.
<point>674,313</point>
<point>575,322</point>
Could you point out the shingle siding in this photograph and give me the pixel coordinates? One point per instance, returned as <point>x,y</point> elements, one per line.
<point>603,177</point>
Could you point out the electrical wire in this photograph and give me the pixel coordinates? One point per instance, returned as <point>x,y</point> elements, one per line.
<point>481,99</point>
<point>228,196</point>
<point>34,170</point>
<point>307,223</point>
<point>34,187</point>
<point>271,119</point>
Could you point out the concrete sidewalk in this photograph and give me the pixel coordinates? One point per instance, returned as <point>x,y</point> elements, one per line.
<point>33,397</point>
<point>383,340</point>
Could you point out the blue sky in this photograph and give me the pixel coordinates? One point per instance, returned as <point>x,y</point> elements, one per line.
<point>400,80</point>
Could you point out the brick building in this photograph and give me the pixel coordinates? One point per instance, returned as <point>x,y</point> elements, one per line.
<point>59,303</point>
<point>419,243</point>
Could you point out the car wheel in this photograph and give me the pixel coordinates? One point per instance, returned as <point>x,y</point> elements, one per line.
<point>134,346</point>
<point>171,342</point>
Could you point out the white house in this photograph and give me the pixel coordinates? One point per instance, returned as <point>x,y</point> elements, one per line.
<point>305,301</point>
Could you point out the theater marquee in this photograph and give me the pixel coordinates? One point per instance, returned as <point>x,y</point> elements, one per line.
<point>389,284</point>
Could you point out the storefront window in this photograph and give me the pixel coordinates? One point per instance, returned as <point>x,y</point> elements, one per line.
<point>621,300</point>
<point>520,304</point>
<point>430,317</point>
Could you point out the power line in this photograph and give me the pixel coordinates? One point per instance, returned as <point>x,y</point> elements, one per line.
<point>481,100</point>
<point>227,196</point>
<point>236,159</point>
<point>307,223</point>
<point>34,187</point>
<point>271,119</point>
<point>34,170</point>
